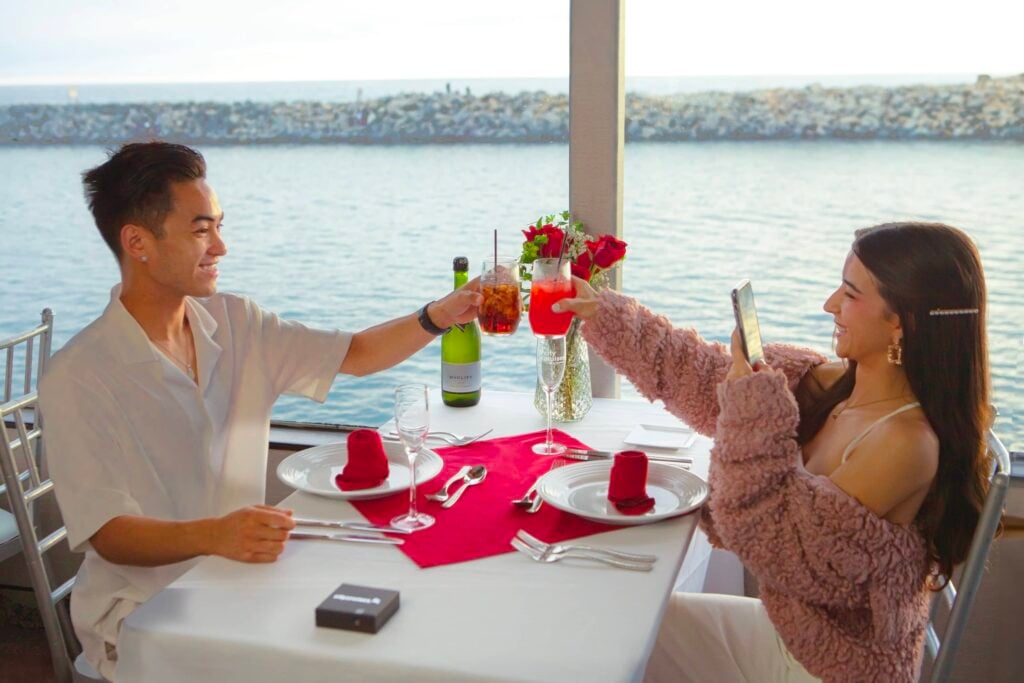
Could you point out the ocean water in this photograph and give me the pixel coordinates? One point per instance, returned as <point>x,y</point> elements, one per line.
<point>339,236</point>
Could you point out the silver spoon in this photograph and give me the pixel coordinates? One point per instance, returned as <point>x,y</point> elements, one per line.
<point>442,494</point>
<point>475,475</point>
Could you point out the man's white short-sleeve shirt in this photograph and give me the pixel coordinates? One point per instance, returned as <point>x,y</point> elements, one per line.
<point>129,433</point>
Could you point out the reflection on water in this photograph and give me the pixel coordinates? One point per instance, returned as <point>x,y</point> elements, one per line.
<point>348,236</point>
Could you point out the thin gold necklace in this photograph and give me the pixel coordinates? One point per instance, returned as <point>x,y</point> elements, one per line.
<point>835,415</point>
<point>187,364</point>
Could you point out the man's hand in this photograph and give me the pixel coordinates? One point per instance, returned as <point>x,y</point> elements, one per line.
<point>253,534</point>
<point>460,306</point>
<point>584,304</point>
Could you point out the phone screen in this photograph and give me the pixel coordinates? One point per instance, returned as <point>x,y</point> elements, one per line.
<point>746,321</point>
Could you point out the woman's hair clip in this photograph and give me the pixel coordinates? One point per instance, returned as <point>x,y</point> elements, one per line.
<point>953,311</point>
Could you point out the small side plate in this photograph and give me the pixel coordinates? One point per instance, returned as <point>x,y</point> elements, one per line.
<point>661,436</point>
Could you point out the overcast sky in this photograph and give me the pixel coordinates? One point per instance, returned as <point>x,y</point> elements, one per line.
<point>118,41</point>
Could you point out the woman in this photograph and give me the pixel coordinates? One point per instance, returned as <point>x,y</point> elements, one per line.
<point>848,489</point>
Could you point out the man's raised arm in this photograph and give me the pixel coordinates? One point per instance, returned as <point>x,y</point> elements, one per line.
<point>382,346</point>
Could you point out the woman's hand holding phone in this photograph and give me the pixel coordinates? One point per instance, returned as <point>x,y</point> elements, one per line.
<point>740,366</point>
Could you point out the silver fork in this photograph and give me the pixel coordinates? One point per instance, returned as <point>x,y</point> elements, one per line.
<point>538,556</point>
<point>531,500</point>
<point>557,548</point>
<point>448,437</point>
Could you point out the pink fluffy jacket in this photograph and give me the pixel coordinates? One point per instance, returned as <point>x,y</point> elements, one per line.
<point>845,589</point>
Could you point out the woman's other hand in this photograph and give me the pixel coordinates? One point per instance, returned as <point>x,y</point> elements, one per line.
<point>740,366</point>
<point>584,304</point>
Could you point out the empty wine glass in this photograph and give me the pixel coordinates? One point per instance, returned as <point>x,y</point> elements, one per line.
<point>412,421</point>
<point>550,370</point>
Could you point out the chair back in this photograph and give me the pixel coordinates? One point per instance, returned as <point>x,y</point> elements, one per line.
<point>25,482</point>
<point>21,354</point>
<point>959,601</point>
<point>34,348</point>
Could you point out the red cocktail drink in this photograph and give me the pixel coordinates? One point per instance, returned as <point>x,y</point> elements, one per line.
<point>543,294</point>
<point>501,308</point>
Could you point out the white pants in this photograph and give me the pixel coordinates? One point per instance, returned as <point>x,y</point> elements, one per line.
<point>706,638</point>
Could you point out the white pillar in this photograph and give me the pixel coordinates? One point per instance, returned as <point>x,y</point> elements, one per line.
<point>596,134</point>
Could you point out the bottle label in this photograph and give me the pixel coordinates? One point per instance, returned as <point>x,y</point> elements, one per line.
<point>460,378</point>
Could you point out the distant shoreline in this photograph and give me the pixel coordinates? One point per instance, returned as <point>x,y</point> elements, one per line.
<point>989,109</point>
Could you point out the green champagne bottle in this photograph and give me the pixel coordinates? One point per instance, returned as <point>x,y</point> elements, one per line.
<point>460,354</point>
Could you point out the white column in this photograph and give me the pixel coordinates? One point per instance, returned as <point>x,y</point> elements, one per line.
<point>596,134</point>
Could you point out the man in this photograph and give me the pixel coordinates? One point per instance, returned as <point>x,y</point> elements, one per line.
<point>158,413</point>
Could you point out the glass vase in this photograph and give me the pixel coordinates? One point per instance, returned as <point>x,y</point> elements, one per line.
<point>573,397</point>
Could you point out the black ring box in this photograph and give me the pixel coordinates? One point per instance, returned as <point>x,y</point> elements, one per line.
<point>357,608</point>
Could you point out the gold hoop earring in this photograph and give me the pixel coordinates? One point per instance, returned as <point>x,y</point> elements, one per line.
<point>895,354</point>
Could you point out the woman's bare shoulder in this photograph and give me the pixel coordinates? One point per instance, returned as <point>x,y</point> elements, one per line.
<point>894,461</point>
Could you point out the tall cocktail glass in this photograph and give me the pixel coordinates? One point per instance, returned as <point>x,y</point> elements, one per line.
<point>551,282</point>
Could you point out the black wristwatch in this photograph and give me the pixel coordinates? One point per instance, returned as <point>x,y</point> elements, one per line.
<point>427,324</point>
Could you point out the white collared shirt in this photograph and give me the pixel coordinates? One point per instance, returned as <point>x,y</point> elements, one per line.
<point>129,433</point>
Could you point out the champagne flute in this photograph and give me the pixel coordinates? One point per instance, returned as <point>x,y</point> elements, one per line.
<point>412,421</point>
<point>550,370</point>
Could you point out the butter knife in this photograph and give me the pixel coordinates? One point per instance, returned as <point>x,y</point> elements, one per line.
<point>352,538</point>
<point>590,454</point>
<point>351,525</point>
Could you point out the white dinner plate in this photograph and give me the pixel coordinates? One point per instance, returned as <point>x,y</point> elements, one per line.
<point>313,470</point>
<point>583,490</point>
<point>661,436</point>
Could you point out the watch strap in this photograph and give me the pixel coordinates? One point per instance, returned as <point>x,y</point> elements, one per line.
<point>427,324</point>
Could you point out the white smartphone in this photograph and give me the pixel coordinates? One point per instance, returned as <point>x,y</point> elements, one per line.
<point>746,321</point>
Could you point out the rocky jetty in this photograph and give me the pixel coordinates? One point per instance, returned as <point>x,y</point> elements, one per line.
<point>989,109</point>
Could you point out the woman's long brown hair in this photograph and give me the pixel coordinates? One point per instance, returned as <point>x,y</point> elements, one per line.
<point>920,267</point>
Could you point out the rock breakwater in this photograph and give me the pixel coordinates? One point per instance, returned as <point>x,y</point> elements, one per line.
<point>990,108</point>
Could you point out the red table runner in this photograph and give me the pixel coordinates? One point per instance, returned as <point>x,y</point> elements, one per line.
<point>484,520</point>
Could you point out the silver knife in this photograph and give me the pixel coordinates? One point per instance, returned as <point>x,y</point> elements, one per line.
<point>352,538</point>
<point>353,525</point>
<point>590,454</point>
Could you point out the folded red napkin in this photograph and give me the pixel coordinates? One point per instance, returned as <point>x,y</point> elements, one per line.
<point>627,488</point>
<point>367,464</point>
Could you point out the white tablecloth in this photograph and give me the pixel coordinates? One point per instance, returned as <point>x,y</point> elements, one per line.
<point>502,618</point>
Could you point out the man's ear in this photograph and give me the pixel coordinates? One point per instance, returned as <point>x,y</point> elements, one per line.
<point>136,242</point>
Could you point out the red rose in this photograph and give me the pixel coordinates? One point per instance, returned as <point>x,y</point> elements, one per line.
<point>530,233</point>
<point>592,245</point>
<point>609,251</point>
<point>581,268</point>
<point>579,271</point>
<point>554,245</point>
